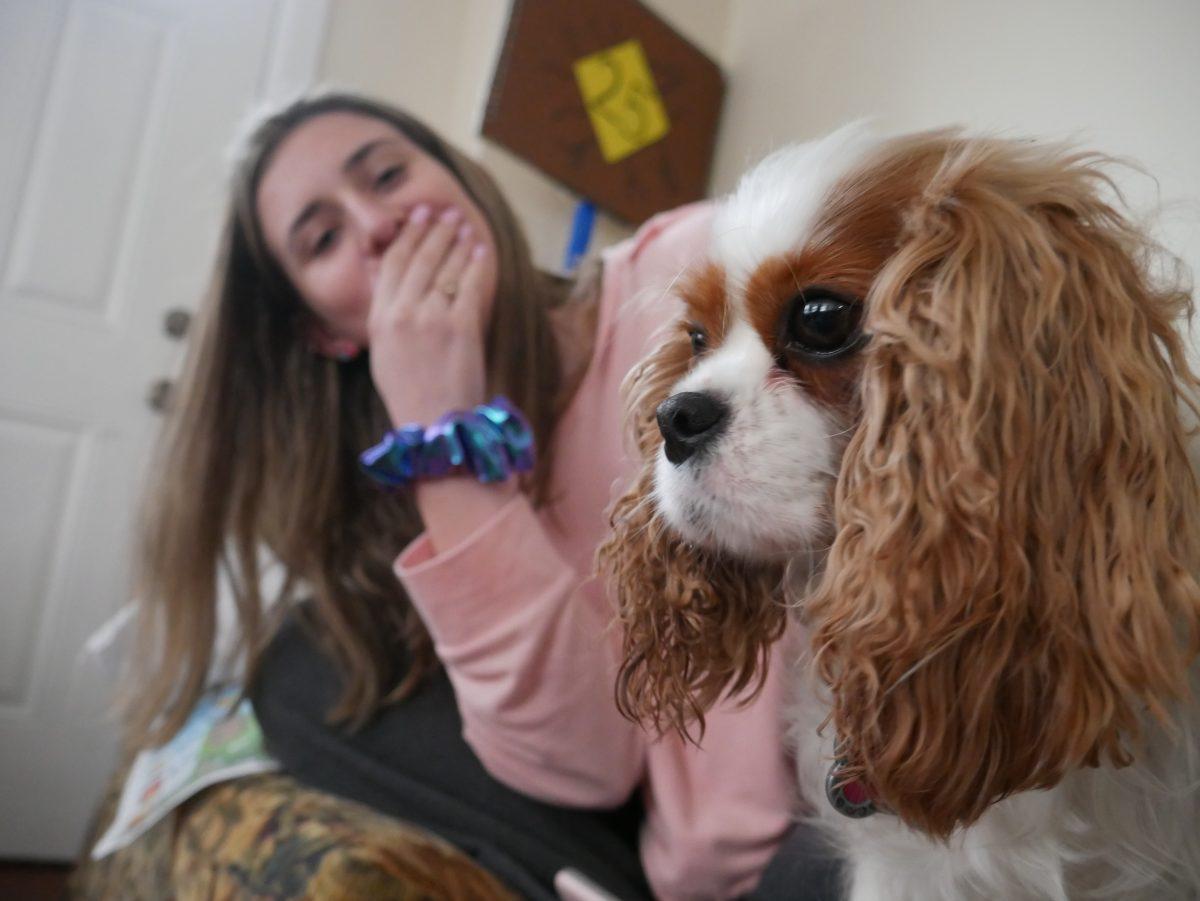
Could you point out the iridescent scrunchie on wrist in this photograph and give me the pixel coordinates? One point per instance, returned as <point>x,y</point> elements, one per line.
<point>490,442</point>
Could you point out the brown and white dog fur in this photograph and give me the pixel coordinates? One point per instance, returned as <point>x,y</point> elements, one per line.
<point>930,400</point>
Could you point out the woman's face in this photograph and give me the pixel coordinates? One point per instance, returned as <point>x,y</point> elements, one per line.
<point>337,192</point>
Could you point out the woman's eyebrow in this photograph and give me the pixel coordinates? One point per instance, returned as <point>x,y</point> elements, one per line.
<point>355,159</point>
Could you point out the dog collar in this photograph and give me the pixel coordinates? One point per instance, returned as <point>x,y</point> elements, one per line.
<point>850,798</point>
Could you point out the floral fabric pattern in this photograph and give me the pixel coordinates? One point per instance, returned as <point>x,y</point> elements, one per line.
<point>268,837</point>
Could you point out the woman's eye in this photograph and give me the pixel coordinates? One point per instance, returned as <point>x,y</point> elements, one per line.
<point>823,324</point>
<point>324,241</point>
<point>388,176</point>
<point>699,340</point>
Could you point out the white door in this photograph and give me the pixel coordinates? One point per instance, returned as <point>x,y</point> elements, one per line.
<point>115,116</point>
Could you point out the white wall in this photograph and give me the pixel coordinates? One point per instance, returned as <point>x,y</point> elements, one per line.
<point>1118,75</point>
<point>436,57</point>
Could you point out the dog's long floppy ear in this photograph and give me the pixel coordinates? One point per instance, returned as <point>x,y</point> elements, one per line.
<point>1012,586</point>
<point>696,626</point>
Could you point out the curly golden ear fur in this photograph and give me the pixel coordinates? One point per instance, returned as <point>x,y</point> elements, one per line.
<point>1011,588</point>
<point>697,626</point>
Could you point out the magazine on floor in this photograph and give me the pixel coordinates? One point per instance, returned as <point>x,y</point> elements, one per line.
<point>221,740</point>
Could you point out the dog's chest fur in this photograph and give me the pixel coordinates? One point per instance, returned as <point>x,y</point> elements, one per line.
<point>1101,833</point>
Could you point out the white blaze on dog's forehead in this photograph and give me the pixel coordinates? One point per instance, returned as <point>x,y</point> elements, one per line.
<point>774,206</point>
<point>735,369</point>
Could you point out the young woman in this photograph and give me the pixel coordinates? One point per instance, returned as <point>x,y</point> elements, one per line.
<point>451,660</point>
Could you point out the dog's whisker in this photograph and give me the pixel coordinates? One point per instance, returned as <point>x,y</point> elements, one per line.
<point>846,431</point>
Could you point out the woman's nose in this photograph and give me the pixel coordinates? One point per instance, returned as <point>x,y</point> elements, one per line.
<point>378,226</point>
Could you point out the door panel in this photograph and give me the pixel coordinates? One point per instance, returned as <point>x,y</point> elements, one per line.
<point>117,118</point>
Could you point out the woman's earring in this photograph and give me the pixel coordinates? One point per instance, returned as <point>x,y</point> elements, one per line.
<point>341,349</point>
<point>344,351</point>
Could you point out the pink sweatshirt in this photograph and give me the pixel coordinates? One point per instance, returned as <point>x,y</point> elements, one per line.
<point>527,637</point>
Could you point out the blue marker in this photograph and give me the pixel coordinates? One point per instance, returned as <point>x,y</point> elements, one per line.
<point>581,234</point>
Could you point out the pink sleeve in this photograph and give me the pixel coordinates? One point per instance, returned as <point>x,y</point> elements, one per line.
<point>716,814</point>
<point>532,661</point>
<point>529,645</point>
<point>528,640</point>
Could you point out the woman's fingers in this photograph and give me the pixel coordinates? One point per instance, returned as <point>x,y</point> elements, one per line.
<point>427,259</point>
<point>471,296</point>
<point>396,259</point>
<point>447,280</point>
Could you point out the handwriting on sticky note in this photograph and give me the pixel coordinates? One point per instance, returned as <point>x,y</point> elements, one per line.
<point>621,99</point>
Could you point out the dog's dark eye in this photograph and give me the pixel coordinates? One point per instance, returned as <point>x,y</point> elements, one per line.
<point>699,340</point>
<point>822,323</point>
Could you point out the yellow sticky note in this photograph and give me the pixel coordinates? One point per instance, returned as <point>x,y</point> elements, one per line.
<point>622,100</point>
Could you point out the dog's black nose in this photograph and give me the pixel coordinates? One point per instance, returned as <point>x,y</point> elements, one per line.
<point>689,422</point>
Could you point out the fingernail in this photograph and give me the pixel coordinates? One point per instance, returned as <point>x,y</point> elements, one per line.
<point>451,214</point>
<point>464,231</point>
<point>420,214</point>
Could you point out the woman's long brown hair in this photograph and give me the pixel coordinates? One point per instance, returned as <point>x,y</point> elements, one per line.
<point>259,452</point>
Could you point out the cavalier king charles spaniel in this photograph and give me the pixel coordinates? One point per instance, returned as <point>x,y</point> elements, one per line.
<point>929,399</point>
